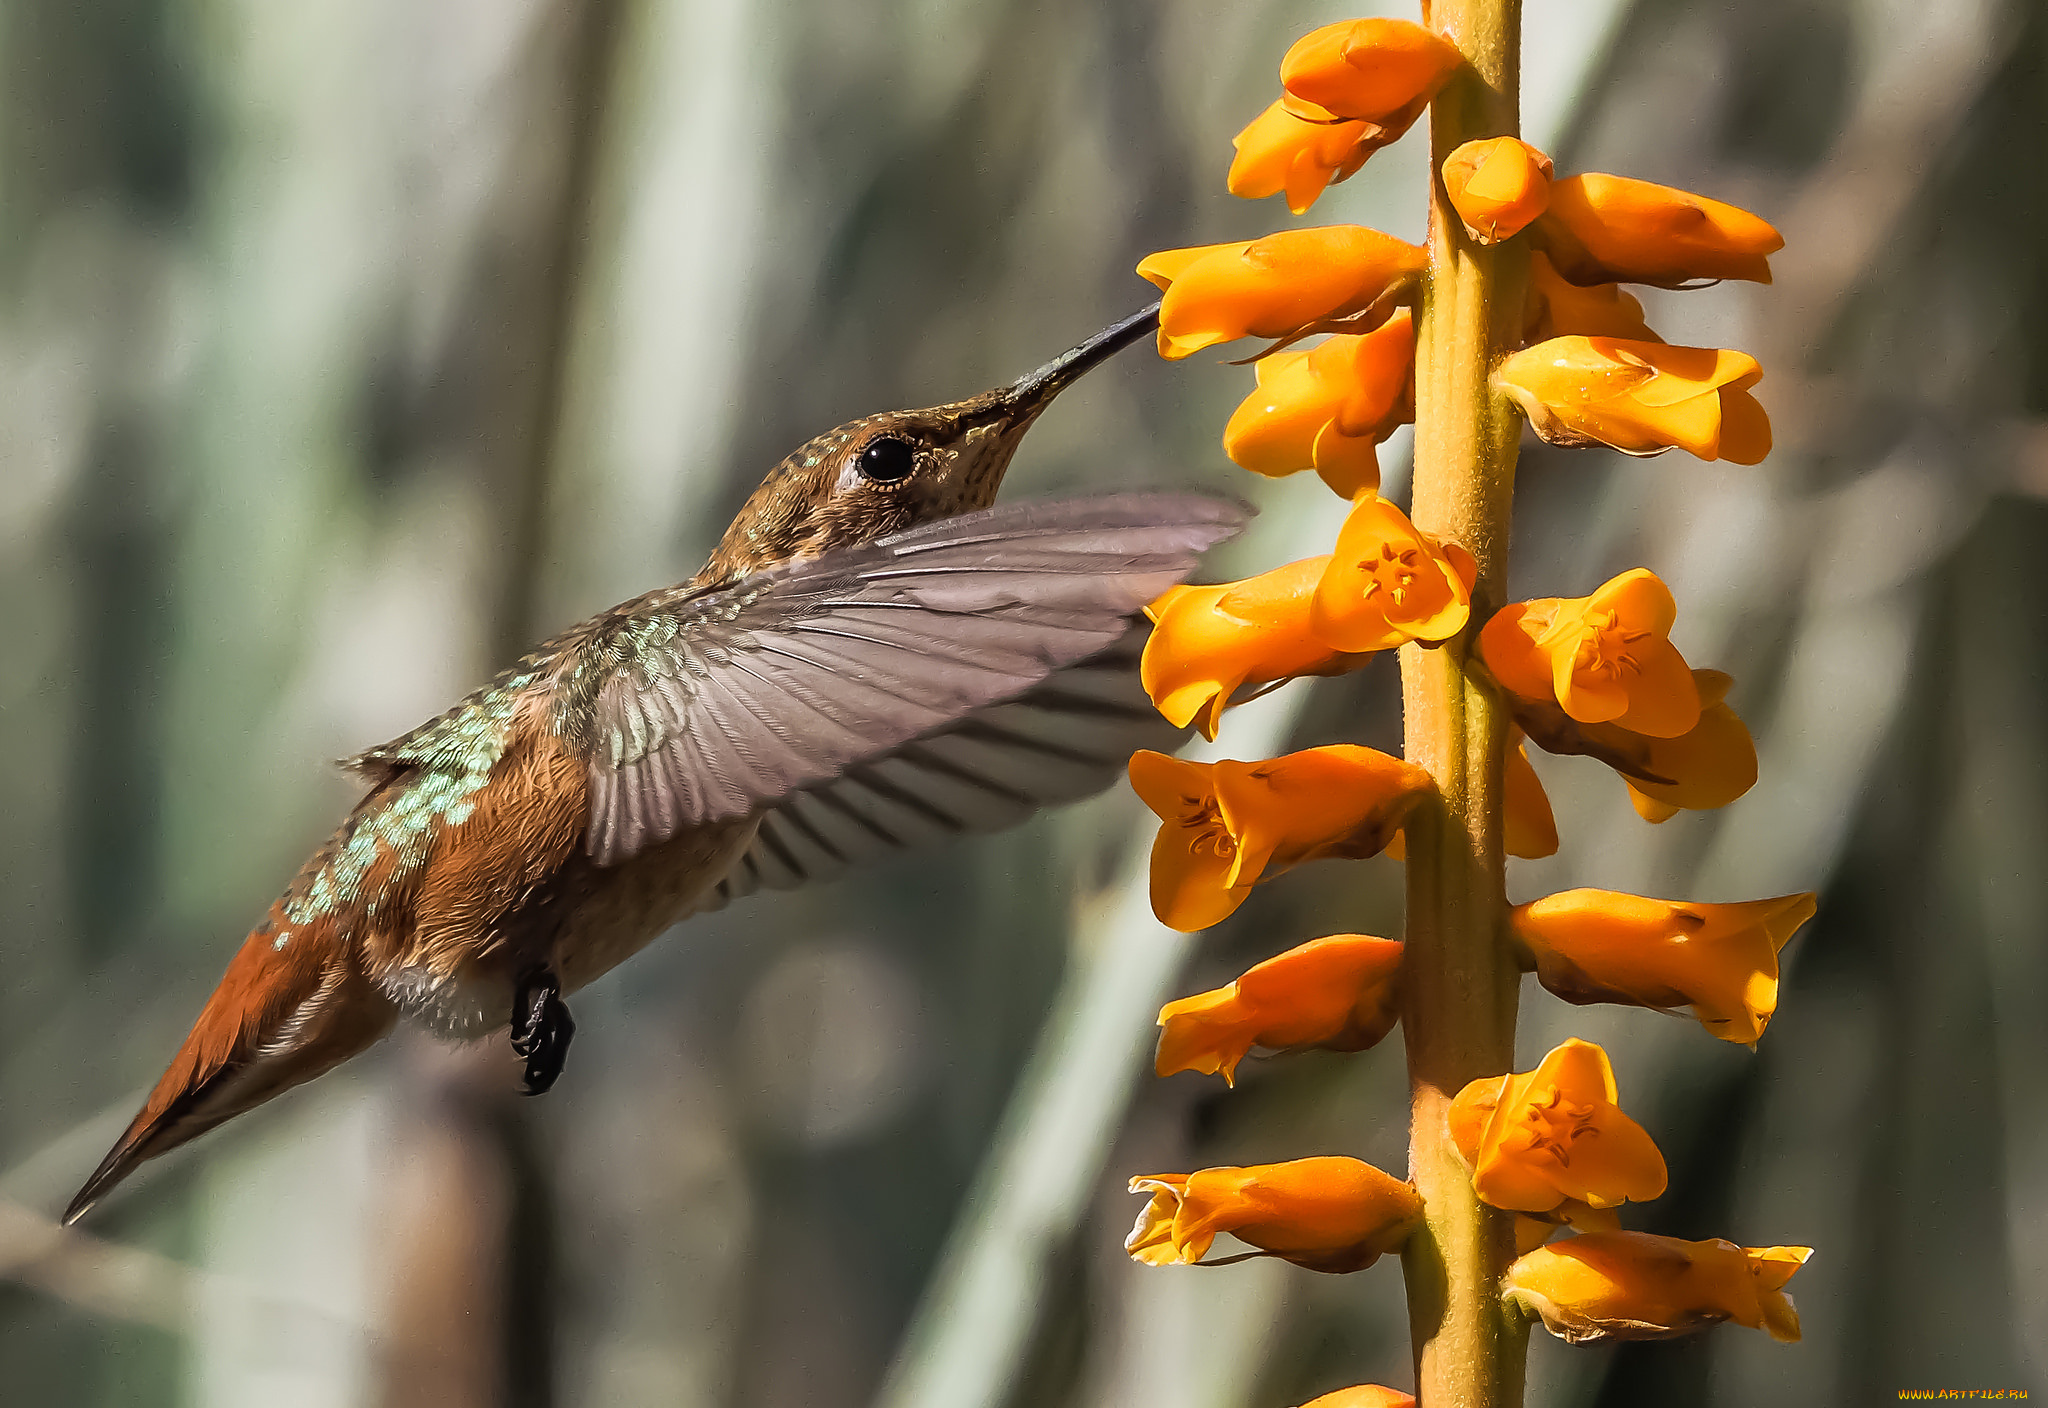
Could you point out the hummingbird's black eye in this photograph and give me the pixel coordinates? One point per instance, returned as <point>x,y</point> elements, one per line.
<point>888,459</point>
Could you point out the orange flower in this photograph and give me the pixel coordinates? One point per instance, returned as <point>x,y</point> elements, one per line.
<point>1226,826</point>
<point>1467,1120</point>
<point>1381,71</point>
<point>1327,1214</point>
<point>1278,286</point>
<point>1329,408</point>
<point>1388,583</point>
<point>1530,826</point>
<point>1556,308</point>
<point>1605,229</point>
<point>1709,766</point>
<point>1210,642</point>
<point>1603,657</point>
<point>1721,960</point>
<point>1363,1396</point>
<point>1497,185</point>
<point>1554,1135</point>
<point>1301,153</point>
<point>1706,767</point>
<point>1636,1286</point>
<point>1336,993</point>
<point>1641,398</point>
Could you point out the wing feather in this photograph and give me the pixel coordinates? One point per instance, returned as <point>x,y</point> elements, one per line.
<point>1067,739</point>
<point>903,669</point>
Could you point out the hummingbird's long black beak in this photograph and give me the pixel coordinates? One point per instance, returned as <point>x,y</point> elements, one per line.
<point>1030,393</point>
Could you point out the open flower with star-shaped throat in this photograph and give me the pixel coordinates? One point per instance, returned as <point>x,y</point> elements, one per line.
<point>1603,657</point>
<point>1555,1135</point>
<point>1389,583</point>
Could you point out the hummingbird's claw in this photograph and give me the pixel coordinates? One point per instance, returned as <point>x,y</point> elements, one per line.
<point>541,1029</point>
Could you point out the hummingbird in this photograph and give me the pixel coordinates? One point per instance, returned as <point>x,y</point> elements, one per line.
<point>873,658</point>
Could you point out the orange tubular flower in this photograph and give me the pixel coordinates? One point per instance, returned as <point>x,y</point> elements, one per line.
<point>1606,229</point>
<point>1210,642</point>
<point>1226,826</point>
<point>1603,657</point>
<point>1555,1135</point>
<point>1299,152</point>
<point>1497,185</point>
<point>1329,408</point>
<point>1721,960</point>
<point>1380,71</point>
<point>1336,993</point>
<point>1327,1214</point>
<point>1389,583</point>
<point>1641,398</point>
<point>1363,1396</point>
<point>1557,308</point>
<point>1636,1286</point>
<point>1709,766</point>
<point>1279,286</point>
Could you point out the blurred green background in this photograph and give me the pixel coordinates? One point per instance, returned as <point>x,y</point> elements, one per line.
<point>346,346</point>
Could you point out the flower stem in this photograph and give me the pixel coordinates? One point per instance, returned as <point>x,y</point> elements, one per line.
<point>1461,984</point>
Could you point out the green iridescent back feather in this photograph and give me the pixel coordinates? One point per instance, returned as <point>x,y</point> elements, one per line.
<point>439,768</point>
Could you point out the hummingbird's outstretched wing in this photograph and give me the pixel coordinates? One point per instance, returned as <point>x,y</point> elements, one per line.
<point>1059,742</point>
<point>698,708</point>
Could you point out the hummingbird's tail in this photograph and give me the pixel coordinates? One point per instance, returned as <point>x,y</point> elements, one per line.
<point>292,1005</point>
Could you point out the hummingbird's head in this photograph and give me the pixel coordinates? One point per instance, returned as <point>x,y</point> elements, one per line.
<point>884,473</point>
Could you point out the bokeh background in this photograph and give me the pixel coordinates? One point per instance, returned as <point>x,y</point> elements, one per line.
<point>346,346</point>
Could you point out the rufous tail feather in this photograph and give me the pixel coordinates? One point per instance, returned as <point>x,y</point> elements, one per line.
<point>287,1009</point>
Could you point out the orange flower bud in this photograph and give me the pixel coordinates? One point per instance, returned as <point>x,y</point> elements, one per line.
<point>1300,153</point>
<point>1602,657</point>
<point>1383,71</point>
<point>1336,993</point>
<point>1530,827</point>
<point>1327,1214</point>
<point>1210,642</point>
<point>1388,583</point>
<point>1363,1396</point>
<point>1538,1140</point>
<point>1636,1286</point>
<point>1556,308</point>
<point>1286,283</point>
<point>1641,398</point>
<point>1721,960</point>
<point>1226,826</point>
<point>1497,185</point>
<point>1609,229</point>
<point>1328,409</point>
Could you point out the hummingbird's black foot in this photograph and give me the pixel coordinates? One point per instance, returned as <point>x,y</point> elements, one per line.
<point>541,1029</point>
